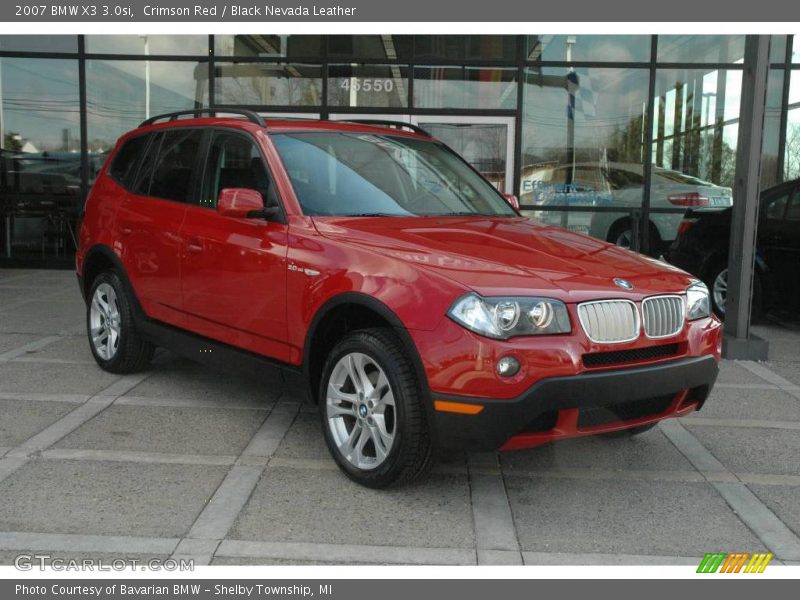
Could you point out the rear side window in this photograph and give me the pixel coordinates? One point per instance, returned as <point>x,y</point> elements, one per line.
<point>169,176</point>
<point>123,168</point>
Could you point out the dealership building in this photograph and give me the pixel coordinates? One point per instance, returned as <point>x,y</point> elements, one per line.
<point>602,134</point>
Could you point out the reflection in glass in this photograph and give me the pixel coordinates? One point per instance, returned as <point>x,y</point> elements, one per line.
<point>796,48</point>
<point>368,85</point>
<point>770,152</point>
<point>270,46</point>
<point>696,122</point>
<point>483,145</point>
<point>269,84</point>
<point>701,48</point>
<point>465,87</point>
<point>792,152</point>
<point>582,137</point>
<point>120,94</point>
<point>465,47</point>
<point>40,167</point>
<point>169,45</point>
<point>370,47</point>
<point>39,43</point>
<point>583,221</point>
<point>605,48</point>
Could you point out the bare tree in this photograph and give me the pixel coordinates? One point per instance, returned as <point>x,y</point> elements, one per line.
<point>791,162</point>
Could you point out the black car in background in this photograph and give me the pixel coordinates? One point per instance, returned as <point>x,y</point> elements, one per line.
<point>702,249</point>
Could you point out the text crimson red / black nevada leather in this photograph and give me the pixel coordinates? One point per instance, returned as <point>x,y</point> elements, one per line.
<point>371,268</point>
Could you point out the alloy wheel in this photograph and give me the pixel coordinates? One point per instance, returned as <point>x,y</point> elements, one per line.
<point>360,411</point>
<point>624,239</point>
<point>104,322</point>
<point>719,290</point>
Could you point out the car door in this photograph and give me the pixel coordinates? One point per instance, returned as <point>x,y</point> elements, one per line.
<point>150,218</point>
<point>234,269</point>
<point>779,242</point>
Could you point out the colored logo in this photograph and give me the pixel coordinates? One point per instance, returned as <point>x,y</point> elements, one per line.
<point>625,285</point>
<point>737,562</point>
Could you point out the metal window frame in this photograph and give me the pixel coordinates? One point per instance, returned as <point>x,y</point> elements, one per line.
<point>520,62</point>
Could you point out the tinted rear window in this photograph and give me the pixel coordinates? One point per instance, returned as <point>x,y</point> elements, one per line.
<point>123,168</point>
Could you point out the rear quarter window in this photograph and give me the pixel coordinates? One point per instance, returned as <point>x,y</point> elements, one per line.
<point>123,167</point>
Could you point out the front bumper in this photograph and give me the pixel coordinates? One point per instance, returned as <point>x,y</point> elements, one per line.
<point>585,404</point>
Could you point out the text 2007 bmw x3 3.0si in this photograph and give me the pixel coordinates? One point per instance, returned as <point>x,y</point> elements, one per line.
<point>370,266</point>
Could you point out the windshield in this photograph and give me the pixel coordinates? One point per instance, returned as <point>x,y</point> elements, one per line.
<point>342,173</point>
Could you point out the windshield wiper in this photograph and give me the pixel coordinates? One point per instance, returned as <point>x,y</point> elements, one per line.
<point>378,214</point>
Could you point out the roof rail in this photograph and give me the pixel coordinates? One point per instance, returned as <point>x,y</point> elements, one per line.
<point>390,123</point>
<point>212,112</point>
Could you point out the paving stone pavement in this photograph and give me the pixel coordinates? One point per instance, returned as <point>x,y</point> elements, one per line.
<point>182,462</point>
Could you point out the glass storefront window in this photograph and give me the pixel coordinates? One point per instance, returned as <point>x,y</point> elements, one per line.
<point>791,162</point>
<point>268,84</point>
<point>39,43</point>
<point>465,47</point>
<point>600,48</point>
<point>465,87</point>
<point>695,129</point>
<point>40,159</point>
<point>291,47</point>
<point>777,48</point>
<point>370,47</point>
<point>587,222</point>
<point>695,122</point>
<point>796,48</point>
<point>368,85</point>
<point>121,94</point>
<point>583,143</point>
<point>168,45</point>
<point>701,48</point>
<point>770,148</point>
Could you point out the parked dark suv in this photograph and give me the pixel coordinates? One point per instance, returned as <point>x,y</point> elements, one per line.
<point>702,248</point>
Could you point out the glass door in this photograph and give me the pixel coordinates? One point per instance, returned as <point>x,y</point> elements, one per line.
<point>487,143</point>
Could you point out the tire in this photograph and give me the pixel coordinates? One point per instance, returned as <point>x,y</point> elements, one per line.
<point>629,433</point>
<point>621,235</point>
<point>115,344</point>
<point>717,283</point>
<point>380,438</point>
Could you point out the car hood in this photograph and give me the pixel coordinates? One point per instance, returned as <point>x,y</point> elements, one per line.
<point>509,256</point>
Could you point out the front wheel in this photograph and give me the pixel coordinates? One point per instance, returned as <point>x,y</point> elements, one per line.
<point>116,345</point>
<point>372,410</point>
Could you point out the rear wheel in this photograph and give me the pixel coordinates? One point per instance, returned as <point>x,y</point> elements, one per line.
<point>717,282</point>
<point>372,413</point>
<point>116,345</point>
<point>621,234</point>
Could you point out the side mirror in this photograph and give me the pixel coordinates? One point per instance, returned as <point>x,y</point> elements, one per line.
<point>512,200</point>
<point>242,203</point>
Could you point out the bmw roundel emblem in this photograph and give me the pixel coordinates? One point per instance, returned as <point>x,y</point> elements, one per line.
<point>625,285</point>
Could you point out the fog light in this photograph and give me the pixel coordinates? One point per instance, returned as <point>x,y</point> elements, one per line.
<point>508,366</point>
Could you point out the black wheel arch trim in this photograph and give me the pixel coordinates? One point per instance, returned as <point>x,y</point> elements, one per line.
<point>381,309</point>
<point>114,259</point>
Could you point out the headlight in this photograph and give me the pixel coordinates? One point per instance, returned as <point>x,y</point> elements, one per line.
<point>697,302</point>
<point>503,318</point>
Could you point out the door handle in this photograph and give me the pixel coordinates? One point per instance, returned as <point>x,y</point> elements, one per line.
<point>194,246</point>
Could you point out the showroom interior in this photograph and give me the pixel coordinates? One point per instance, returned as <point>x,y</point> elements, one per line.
<point>614,136</point>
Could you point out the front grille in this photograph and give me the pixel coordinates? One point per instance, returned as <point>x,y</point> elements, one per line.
<point>602,415</point>
<point>663,316</point>
<point>602,359</point>
<point>609,321</point>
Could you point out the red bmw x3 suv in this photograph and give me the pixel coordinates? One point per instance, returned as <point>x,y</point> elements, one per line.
<point>370,266</point>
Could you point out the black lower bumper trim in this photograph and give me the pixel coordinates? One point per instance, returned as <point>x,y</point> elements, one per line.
<point>502,419</point>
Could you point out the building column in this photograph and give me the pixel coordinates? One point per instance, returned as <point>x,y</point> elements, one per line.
<point>738,342</point>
